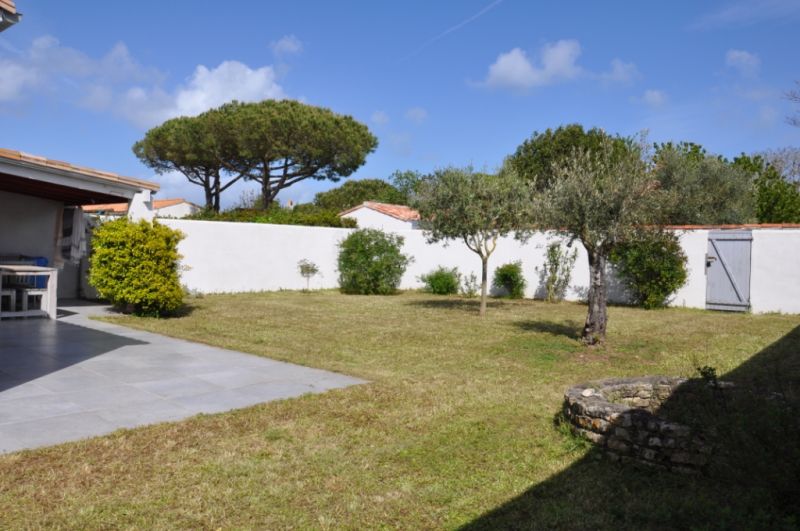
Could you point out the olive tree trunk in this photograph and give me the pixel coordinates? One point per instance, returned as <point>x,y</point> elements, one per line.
<point>594,331</point>
<point>484,283</point>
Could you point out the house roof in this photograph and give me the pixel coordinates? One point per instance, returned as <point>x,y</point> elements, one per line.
<point>401,212</point>
<point>8,5</point>
<point>45,163</point>
<point>121,208</point>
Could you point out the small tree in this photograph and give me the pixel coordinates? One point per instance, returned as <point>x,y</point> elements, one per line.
<point>556,271</point>
<point>278,143</point>
<point>601,197</point>
<point>308,270</point>
<point>476,208</point>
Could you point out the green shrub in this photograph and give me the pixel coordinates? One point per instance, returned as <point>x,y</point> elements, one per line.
<point>370,262</point>
<point>557,271</point>
<point>652,267</point>
<point>510,278</point>
<point>305,214</point>
<point>135,266</point>
<point>442,281</point>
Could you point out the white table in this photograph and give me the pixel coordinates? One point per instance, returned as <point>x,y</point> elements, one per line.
<point>49,294</point>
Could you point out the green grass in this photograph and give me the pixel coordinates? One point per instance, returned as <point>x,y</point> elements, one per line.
<point>456,427</point>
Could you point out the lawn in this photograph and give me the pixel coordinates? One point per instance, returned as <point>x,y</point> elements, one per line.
<point>455,429</point>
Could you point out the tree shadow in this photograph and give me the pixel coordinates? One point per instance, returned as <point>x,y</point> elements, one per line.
<point>33,348</point>
<point>456,304</point>
<point>752,481</point>
<point>571,329</point>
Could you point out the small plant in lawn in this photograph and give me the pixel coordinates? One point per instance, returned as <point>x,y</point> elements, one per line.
<point>442,281</point>
<point>308,270</point>
<point>371,262</point>
<point>556,272</point>
<point>510,278</point>
<point>470,287</point>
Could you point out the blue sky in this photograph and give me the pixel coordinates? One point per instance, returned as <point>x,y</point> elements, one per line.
<point>439,83</point>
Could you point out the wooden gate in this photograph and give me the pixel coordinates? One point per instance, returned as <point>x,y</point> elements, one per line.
<point>728,270</point>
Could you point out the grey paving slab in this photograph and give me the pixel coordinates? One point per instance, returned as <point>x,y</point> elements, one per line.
<point>75,378</point>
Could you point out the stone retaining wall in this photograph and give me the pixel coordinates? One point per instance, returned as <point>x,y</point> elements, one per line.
<point>619,415</point>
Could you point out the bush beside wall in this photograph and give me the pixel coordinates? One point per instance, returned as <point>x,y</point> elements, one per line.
<point>135,266</point>
<point>371,262</point>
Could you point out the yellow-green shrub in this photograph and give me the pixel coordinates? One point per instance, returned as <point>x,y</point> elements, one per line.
<point>135,266</point>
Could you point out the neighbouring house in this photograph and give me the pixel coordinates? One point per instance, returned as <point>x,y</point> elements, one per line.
<point>162,208</point>
<point>41,218</point>
<point>384,216</point>
<point>8,14</point>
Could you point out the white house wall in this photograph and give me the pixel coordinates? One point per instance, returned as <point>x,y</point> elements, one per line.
<point>181,210</point>
<point>372,219</point>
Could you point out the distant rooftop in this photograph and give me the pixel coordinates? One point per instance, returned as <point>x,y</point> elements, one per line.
<point>401,212</point>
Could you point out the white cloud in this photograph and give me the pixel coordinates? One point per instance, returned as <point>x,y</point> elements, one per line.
<point>514,70</point>
<point>745,62</point>
<point>654,98</point>
<point>15,79</point>
<point>286,45</point>
<point>621,72</point>
<point>47,63</point>
<point>416,115</point>
<point>116,82</point>
<point>748,12</point>
<point>207,88</point>
<point>380,118</point>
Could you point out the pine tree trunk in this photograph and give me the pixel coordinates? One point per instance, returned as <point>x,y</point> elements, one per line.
<point>266,194</point>
<point>484,283</point>
<point>217,193</point>
<point>209,196</point>
<point>594,331</point>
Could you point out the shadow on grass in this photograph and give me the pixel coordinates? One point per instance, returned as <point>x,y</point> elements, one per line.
<point>753,481</point>
<point>570,329</point>
<point>472,305</point>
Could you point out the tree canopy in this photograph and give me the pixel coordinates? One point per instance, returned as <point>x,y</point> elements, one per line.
<point>278,143</point>
<point>353,193</point>
<point>702,189</point>
<point>473,207</point>
<point>536,158</point>
<point>185,145</point>
<point>777,200</point>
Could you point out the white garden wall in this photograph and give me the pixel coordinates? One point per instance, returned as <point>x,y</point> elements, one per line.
<point>236,257</point>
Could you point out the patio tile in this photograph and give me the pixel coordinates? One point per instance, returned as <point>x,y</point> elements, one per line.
<point>177,387</point>
<point>73,378</point>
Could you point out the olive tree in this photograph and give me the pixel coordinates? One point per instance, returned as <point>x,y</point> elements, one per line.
<point>278,143</point>
<point>186,145</point>
<point>476,208</point>
<point>602,197</point>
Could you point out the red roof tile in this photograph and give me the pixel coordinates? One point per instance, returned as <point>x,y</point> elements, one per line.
<point>401,212</point>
